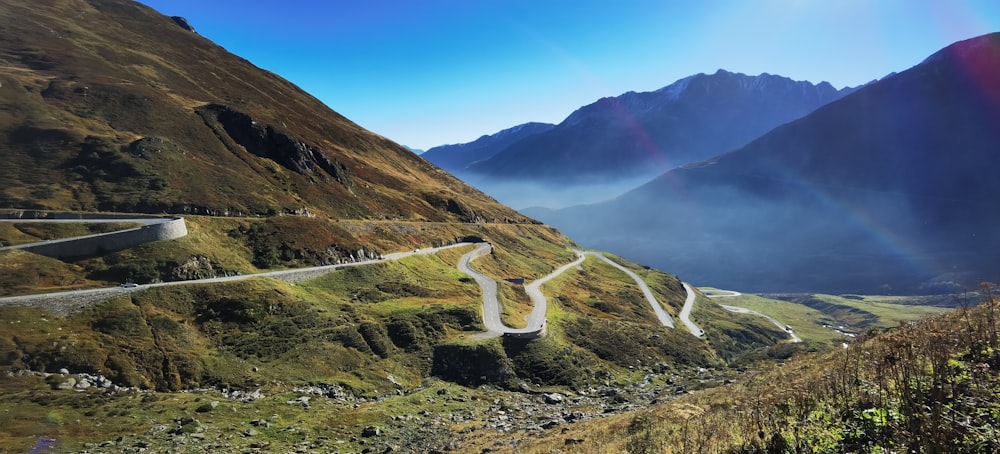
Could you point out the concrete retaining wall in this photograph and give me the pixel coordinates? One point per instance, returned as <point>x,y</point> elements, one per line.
<point>28,215</point>
<point>527,335</point>
<point>103,243</point>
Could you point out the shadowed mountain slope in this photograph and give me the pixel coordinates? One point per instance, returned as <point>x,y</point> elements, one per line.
<point>108,105</point>
<point>887,189</point>
<point>638,134</point>
<point>458,157</point>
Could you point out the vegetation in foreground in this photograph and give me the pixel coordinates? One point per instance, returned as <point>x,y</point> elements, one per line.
<point>926,386</point>
<point>370,335</point>
<point>364,346</point>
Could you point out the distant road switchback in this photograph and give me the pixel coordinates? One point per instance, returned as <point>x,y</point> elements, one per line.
<point>536,320</point>
<point>685,314</point>
<point>740,310</point>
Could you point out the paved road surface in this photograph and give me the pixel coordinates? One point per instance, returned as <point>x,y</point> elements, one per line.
<point>729,294</point>
<point>662,315</point>
<point>740,310</point>
<point>720,293</point>
<point>685,314</point>
<point>491,304</point>
<point>534,290</point>
<point>293,275</point>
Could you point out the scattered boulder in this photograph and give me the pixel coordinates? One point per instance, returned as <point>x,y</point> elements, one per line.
<point>68,384</point>
<point>554,398</point>
<point>260,423</point>
<point>301,400</point>
<point>207,407</point>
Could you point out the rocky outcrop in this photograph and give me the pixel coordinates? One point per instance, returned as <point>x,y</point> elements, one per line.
<point>183,23</point>
<point>267,142</point>
<point>473,365</point>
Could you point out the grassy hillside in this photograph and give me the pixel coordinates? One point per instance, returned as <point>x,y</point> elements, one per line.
<point>820,320</point>
<point>924,386</point>
<point>370,333</point>
<point>108,105</point>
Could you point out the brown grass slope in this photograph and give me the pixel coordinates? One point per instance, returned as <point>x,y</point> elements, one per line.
<point>109,105</point>
<point>926,386</point>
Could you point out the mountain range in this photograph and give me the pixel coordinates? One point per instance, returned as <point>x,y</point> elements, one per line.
<point>889,189</point>
<point>616,143</point>
<point>320,296</point>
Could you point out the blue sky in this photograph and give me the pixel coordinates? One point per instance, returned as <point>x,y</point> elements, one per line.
<point>430,72</point>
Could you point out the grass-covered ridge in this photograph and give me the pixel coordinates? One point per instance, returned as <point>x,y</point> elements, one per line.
<point>373,331</point>
<point>921,386</point>
<point>376,332</point>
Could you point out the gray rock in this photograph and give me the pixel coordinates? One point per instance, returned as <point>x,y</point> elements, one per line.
<point>68,384</point>
<point>302,400</point>
<point>371,431</point>
<point>207,407</point>
<point>554,398</point>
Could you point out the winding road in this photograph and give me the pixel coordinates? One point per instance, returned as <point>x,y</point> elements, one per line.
<point>491,304</point>
<point>536,319</point>
<point>662,315</point>
<point>785,328</point>
<point>741,310</point>
<point>685,314</point>
<point>67,301</point>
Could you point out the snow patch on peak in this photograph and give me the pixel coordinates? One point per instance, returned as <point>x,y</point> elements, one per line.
<point>674,91</point>
<point>530,126</point>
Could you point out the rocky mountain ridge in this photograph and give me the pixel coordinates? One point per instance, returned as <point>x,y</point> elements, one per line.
<point>624,140</point>
<point>880,191</point>
<point>457,157</point>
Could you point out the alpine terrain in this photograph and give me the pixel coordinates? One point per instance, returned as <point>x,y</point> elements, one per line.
<point>887,190</point>
<point>198,255</point>
<point>617,143</point>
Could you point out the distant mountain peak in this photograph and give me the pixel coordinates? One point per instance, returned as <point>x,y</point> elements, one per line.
<point>456,157</point>
<point>882,190</point>
<point>698,85</point>
<point>674,90</point>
